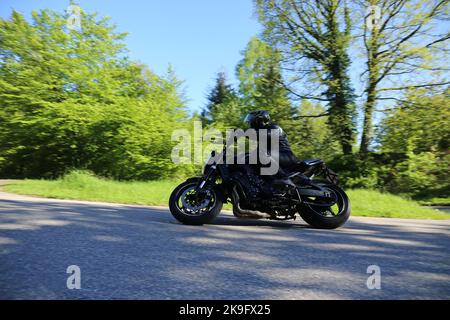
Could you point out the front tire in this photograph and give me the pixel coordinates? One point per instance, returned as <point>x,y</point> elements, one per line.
<point>325,217</point>
<point>187,211</point>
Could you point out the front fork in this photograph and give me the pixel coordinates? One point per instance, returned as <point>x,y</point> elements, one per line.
<point>210,175</point>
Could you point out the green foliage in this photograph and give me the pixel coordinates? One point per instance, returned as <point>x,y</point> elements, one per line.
<point>434,201</point>
<point>72,99</point>
<point>222,97</point>
<point>355,172</point>
<point>416,174</point>
<point>413,156</point>
<point>418,124</point>
<point>260,80</point>
<point>314,37</point>
<point>312,137</point>
<point>261,85</point>
<point>405,50</point>
<point>418,128</point>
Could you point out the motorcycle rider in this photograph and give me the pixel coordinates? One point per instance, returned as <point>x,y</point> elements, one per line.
<point>260,119</point>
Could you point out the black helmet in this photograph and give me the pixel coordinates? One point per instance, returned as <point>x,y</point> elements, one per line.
<point>258,119</point>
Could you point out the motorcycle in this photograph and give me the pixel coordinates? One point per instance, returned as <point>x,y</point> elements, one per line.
<point>320,203</point>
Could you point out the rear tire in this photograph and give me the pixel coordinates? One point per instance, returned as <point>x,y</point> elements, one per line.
<point>314,217</point>
<point>185,217</point>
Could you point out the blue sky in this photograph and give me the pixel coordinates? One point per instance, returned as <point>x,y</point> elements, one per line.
<point>198,37</point>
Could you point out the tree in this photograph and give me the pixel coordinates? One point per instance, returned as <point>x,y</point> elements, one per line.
<point>405,50</point>
<point>261,84</point>
<point>71,99</point>
<point>419,124</point>
<point>221,95</point>
<point>418,129</point>
<point>313,137</point>
<point>313,37</point>
<point>47,74</point>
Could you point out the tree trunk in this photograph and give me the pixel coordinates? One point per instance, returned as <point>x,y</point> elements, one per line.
<point>341,104</point>
<point>344,122</point>
<point>367,126</point>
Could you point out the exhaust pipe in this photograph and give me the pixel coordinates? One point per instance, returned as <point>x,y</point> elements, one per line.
<point>244,213</point>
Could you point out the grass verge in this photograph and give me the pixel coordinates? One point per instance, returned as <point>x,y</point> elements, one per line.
<point>370,203</point>
<point>82,186</point>
<point>434,201</point>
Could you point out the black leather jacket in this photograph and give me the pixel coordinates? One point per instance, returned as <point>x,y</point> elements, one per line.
<point>283,139</point>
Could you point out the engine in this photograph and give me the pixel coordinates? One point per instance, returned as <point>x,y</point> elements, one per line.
<point>251,183</point>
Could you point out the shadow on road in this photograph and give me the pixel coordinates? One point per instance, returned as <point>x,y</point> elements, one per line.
<point>140,253</point>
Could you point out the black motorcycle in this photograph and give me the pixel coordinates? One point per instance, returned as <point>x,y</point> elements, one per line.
<point>321,203</point>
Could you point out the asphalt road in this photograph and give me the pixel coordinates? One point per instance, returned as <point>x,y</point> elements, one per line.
<point>137,252</point>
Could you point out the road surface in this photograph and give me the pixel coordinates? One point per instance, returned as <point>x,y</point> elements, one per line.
<point>138,252</point>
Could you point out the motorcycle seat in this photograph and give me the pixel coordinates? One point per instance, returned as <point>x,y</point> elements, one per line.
<point>311,162</point>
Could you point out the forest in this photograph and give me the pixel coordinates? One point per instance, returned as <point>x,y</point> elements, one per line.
<point>365,90</point>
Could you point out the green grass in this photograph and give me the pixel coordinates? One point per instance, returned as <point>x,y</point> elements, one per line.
<point>370,203</point>
<point>82,186</point>
<point>435,201</point>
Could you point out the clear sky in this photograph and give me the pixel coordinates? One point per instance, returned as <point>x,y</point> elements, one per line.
<point>198,37</point>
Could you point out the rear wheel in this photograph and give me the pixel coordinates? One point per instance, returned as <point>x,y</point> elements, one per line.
<point>328,217</point>
<point>195,208</point>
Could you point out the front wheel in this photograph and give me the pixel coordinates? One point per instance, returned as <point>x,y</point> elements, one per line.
<point>194,207</point>
<point>328,217</point>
